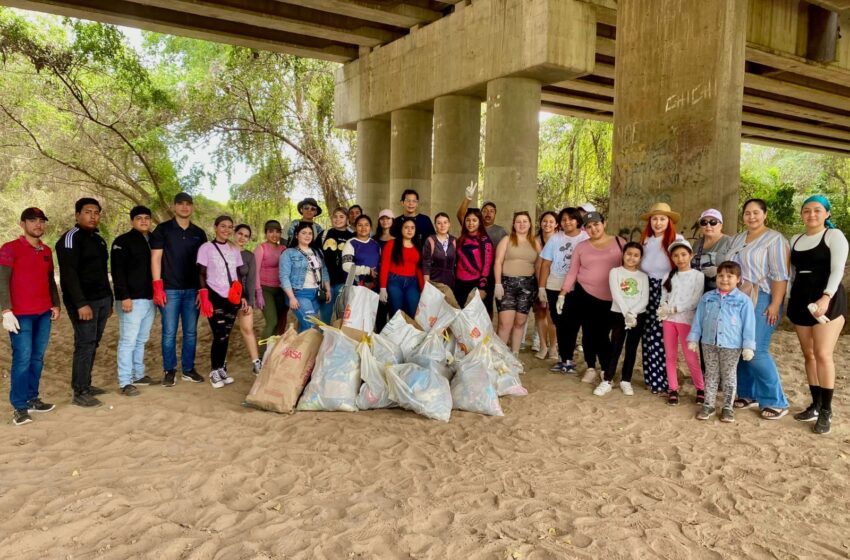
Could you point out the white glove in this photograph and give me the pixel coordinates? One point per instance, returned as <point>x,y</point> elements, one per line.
<point>630,320</point>
<point>10,322</point>
<point>559,307</point>
<point>693,345</point>
<point>383,296</point>
<point>710,271</point>
<point>541,295</point>
<point>663,312</point>
<point>499,292</point>
<point>747,354</point>
<point>470,190</point>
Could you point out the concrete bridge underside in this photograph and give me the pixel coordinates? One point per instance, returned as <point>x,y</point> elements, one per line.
<point>683,80</point>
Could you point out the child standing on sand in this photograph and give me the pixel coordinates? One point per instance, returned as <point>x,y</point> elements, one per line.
<point>725,323</point>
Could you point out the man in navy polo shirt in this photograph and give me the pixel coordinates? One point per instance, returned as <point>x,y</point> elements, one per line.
<point>174,250</point>
<point>29,301</point>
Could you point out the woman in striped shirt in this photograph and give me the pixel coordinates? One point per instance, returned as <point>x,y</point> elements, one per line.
<point>763,255</point>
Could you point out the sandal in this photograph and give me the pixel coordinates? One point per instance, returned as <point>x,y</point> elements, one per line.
<point>744,403</point>
<point>673,398</point>
<point>773,413</point>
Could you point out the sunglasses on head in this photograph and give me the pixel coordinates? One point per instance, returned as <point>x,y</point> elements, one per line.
<point>708,222</point>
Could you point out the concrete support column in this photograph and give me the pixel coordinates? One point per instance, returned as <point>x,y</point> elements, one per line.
<point>677,109</point>
<point>457,129</point>
<point>373,166</point>
<point>410,157</point>
<point>511,146</point>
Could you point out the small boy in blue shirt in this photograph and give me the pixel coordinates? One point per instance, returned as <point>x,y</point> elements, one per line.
<point>725,323</point>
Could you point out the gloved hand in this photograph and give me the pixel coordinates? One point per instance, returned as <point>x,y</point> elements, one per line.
<point>499,292</point>
<point>159,298</point>
<point>541,295</point>
<point>559,306</point>
<point>630,320</point>
<point>748,354</point>
<point>470,190</point>
<point>259,300</point>
<point>663,312</point>
<point>206,304</point>
<point>693,346</point>
<point>10,322</point>
<point>383,296</point>
<point>710,271</point>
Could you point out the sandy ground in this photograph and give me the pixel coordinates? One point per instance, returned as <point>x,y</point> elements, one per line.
<point>187,472</point>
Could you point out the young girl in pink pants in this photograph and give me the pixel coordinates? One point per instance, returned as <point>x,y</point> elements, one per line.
<point>680,295</point>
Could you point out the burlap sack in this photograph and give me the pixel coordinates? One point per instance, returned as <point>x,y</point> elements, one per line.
<point>286,372</point>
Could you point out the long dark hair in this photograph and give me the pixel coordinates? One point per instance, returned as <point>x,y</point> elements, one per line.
<point>668,282</point>
<point>481,229</point>
<point>397,255</point>
<point>540,225</point>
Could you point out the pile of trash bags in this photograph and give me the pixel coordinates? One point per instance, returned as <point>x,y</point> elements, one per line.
<point>442,359</point>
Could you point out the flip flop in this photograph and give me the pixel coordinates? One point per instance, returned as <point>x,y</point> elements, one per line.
<point>745,403</point>
<point>773,413</point>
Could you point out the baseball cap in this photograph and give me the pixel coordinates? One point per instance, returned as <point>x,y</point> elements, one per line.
<point>140,211</point>
<point>679,243</point>
<point>183,197</point>
<point>386,212</point>
<point>712,213</point>
<point>33,213</point>
<point>593,216</point>
<point>588,207</point>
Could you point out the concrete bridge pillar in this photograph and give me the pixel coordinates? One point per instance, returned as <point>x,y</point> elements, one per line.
<point>373,166</point>
<point>511,146</point>
<point>410,157</point>
<point>679,84</point>
<point>457,129</point>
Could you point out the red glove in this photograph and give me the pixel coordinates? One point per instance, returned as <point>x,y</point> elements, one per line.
<point>206,304</point>
<point>159,298</point>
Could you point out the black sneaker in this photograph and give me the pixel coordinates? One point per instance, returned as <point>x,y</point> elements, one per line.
<point>192,376</point>
<point>168,378</point>
<point>86,400</point>
<point>96,390</point>
<point>36,405</point>
<point>822,426</point>
<point>130,391</point>
<point>21,416</point>
<point>145,381</point>
<point>808,415</point>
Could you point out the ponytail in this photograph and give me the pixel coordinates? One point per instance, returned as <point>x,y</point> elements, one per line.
<point>668,282</point>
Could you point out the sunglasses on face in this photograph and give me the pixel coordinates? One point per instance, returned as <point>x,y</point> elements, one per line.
<point>313,208</point>
<point>708,222</point>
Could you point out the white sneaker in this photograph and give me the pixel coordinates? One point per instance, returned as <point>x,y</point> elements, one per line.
<point>589,376</point>
<point>553,353</point>
<point>626,388</point>
<point>215,378</point>
<point>541,355</point>
<point>535,343</point>
<point>602,389</point>
<point>226,379</point>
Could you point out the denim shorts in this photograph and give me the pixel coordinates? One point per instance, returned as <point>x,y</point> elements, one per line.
<point>520,292</point>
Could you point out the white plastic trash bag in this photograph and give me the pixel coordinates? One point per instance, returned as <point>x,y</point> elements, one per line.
<point>502,352</point>
<point>420,390</point>
<point>472,324</point>
<point>433,312</point>
<point>404,334</point>
<point>474,385</point>
<point>433,354</point>
<point>361,308</point>
<point>373,392</point>
<point>336,377</point>
<point>385,351</point>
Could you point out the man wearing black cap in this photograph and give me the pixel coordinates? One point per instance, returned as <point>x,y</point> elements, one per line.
<point>29,302</point>
<point>174,250</point>
<point>84,278</point>
<point>130,259</point>
<point>309,209</point>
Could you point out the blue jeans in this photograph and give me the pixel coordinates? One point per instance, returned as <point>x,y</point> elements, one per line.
<point>28,347</point>
<point>328,308</point>
<point>308,306</point>
<point>179,305</point>
<point>758,379</point>
<point>403,293</point>
<point>134,329</point>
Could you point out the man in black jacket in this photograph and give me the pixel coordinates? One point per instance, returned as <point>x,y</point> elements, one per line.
<point>84,278</point>
<point>130,259</point>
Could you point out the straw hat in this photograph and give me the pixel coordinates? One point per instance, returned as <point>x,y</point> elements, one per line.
<point>661,208</point>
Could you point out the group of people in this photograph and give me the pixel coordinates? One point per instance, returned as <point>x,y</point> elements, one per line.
<point>720,300</point>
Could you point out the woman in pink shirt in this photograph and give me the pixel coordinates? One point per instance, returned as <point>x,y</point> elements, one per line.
<point>269,295</point>
<point>593,260</point>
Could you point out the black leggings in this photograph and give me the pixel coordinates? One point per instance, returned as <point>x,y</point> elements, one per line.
<point>594,315</point>
<point>221,323</point>
<point>566,324</point>
<point>620,336</point>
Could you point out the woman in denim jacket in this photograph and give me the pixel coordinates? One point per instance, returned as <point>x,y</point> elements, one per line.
<point>304,277</point>
<point>725,322</point>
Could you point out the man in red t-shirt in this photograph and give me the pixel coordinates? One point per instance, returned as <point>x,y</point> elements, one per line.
<point>29,301</point>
